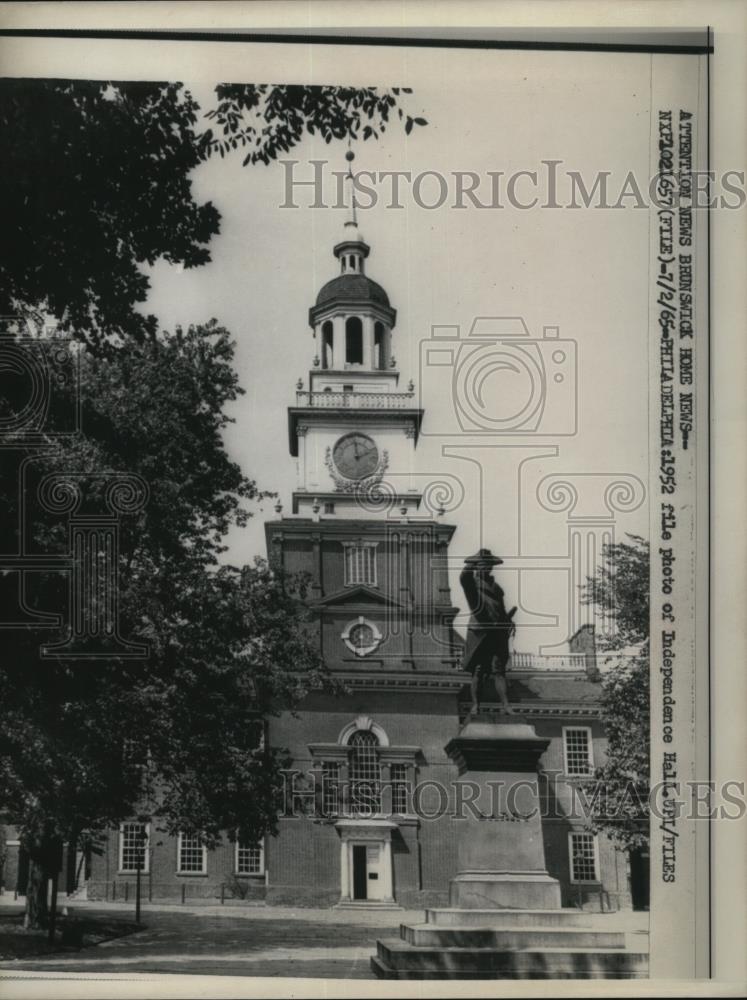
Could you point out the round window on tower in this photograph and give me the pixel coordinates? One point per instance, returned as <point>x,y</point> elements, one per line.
<point>361,636</point>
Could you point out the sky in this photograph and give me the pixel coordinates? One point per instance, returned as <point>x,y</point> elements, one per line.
<point>583,271</point>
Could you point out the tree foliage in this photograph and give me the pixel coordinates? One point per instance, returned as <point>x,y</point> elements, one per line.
<point>620,589</point>
<point>85,743</point>
<point>97,181</point>
<point>267,120</point>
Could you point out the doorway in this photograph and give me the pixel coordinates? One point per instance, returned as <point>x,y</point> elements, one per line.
<point>640,876</point>
<point>360,881</point>
<point>368,876</point>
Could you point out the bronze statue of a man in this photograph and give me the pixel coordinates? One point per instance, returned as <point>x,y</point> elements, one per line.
<point>490,628</point>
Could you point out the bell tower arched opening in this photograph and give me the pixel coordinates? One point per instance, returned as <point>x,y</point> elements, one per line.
<point>353,341</point>
<point>327,344</point>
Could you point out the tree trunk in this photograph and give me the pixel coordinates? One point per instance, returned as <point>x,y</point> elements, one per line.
<point>37,914</point>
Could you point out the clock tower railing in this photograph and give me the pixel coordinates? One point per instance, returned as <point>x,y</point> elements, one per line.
<point>356,400</point>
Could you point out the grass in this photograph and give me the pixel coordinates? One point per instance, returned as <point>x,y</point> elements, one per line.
<point>17,942</point>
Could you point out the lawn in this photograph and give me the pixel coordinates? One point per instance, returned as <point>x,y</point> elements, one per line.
<point>17,942</point>
<point>301,943</point>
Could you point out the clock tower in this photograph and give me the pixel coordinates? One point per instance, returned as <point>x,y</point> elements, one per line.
<point>354,430</point>
<point>376,556</point>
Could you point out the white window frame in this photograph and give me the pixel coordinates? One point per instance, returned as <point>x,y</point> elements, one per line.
<point>376,640</point>
<point>348,548</point>
<point>590,745</point>
<point>260,871</point>
<point>189,871</point>
<point>146,853</point>
<point>597,875</point>
<point>331,780</point>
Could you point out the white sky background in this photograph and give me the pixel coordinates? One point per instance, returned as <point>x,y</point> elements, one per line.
<point>582,270</point>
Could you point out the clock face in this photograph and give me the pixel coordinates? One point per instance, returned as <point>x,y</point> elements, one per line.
<point>356,456</point>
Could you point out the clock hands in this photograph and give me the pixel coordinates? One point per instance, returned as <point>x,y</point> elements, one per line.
<point>357,456</point>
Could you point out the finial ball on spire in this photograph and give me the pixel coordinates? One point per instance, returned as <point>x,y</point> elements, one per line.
<point>350,156</point>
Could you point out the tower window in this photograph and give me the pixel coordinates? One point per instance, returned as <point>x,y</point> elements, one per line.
<point>330,788</point>
<point>354,341</point>
<point>577,747</point>
<point>327,344</point>
<point>582,848</point>
<point>379,360</point>
<point>365,773</point>
<point>360,565</point>
<point>399,788</point>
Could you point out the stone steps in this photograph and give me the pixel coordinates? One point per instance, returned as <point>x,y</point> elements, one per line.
<point>369,905</point>
<point>514,939</point>
<point>396,959</point>
<point>503,919</point>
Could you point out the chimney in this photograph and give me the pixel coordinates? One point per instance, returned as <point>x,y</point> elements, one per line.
<point>584,642</point>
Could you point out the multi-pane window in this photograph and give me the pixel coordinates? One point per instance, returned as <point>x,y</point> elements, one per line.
<point>191,854</point>
<point>583,856</point>
<point>399,788</point>
<point>577,746</point>
<point>330,788</point>
<point>365,773</point>
<point>133,847</point>
<point>249,859</point>
<point>360,564</point>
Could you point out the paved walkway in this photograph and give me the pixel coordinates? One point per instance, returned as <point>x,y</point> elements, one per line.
<point>249,941</point>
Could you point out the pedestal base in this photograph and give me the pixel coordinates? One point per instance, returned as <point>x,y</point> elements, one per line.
<point>504,890</point>
<point>505,919</point>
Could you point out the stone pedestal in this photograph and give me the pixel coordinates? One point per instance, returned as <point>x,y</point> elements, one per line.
<point>501,854</point>
<point>505,920</point>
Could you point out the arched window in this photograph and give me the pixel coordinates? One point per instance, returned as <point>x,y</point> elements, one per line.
<point>327,344</point>
<point>365,773</point>
<point>354,341</point>
<point>379,359</point>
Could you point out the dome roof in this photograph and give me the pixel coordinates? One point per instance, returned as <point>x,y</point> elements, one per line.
<point>352,288</point>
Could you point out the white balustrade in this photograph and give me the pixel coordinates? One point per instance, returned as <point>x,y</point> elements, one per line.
<point>356,400</point>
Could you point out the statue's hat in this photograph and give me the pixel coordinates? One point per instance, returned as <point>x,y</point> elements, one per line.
<point>484,558</point>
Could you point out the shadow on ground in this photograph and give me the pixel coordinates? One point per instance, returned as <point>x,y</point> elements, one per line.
<point>218,945</point>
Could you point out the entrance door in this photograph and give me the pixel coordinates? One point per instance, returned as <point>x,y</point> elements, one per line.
<point>368,875</point>
<point>639,879</point>
<point>360,881</point>
<point>374,874</point>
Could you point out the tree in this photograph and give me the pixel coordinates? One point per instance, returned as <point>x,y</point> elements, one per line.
<point>97,182</point>
<point>267,120</point>
<point>620,590</point>
<point>84,744</point>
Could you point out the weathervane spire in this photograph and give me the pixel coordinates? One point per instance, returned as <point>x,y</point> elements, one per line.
<point>350,156</point>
